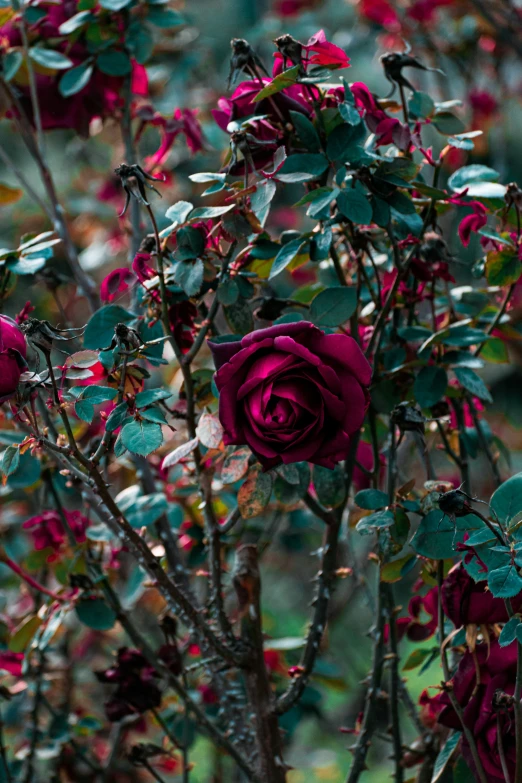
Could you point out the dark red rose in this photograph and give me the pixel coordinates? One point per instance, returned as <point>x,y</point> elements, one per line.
<point>13,350</point>
<point>115,283</point>
<point>480,700</point>
<point>468,602</point>
<point>421,622</point>
<point>292,393</point>
<point>137,691</point>
<point>181,319</point>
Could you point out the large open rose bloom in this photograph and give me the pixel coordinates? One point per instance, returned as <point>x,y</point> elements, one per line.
<point>13,350</point>
<point>497,666</point>
<point>292,393</point>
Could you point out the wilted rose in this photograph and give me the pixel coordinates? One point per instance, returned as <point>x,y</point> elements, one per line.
<point>292,393</point>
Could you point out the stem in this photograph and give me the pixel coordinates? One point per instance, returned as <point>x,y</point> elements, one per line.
<point>131,159</point>
<point>495,322</point>
<point>369,723</point>
<point>29,579</point>
<point>449,684</point>
<point>247,583</point>
<point>394,685</point>
<point>501,753</point>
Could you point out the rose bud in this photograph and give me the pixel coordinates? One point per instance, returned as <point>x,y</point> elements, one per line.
<point>13,351</point>
<point>292,393</point>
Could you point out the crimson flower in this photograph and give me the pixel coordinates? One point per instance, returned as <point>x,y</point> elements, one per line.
<point>48,532</point>
<point>292,393</point>
<point>386,129</point>
<point>467,602</point>
<point>13,351</point>
<point>483,685</point>
<point>115,283</point>
<point>183,122</point>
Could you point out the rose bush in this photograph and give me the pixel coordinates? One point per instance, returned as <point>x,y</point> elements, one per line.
<point>292,393</point>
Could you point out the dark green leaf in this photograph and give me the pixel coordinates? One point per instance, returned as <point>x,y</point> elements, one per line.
<point>371,499</point>
<point>421,105</point>
<point>355,206</point>
<point>280,82</point>
<point>329,485</point>
<point>306,131</point>
<point>447,123</point>
<point>505,582</point>
<point>287,254</point>
<point>75,80</point>
<point>100,328</point>
<point>11,63</point>
<point>506,501</point>
<point>333,306</point>
<point>10,460</point>
<point>473,383</point>
<point>189,275</point>
<point>50,58</point>
<point>374,522</point>
<point>302,167</point>
<point>430,385</point>
<point>141,437</point>
<point>437,536</point>
<point>509,632</point>
<point>95,614</point>
<point>116,417</point>
<point>474,173</point>
<point>114,62</point>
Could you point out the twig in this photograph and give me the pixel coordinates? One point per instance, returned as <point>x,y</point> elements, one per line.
<point>394,685</point>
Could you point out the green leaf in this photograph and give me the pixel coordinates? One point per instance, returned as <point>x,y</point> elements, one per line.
<point>50,58</point>
<point>371,499</point>
<point>437,536</point>
<point>98,394</point>
<point>495,351</point>
<point>100,328</point>
<point>115,5</point>
<point>415,659</point>
<point>289,493</point>
<point>445,756</point>
<point>421,105</point>
<point>474,173</point>
<point>75,80</point>
<point>506,501</point>
<point>116,417</point>
<point>25,265</point>
<point>140,41</point>
<point>146,510</point>
<point>355,206</point>
<point>205,213</point>
<point>164,17</point>
<point>11,63</point>
<point>430,385</point>
<point>374,522</point>
<point>448,124</point>
<point>505,582</point>
<point>473,383</point>
<point>75,22</point>
<point>282,80</point>
<point>302,167</point>
<point>141,437</point>
<point>95,614</point>
<point>25,633</point>
<point>10,460</point>
<point>306,131</point>
<point>509,632</point>
<point>333,306</point>
<point>114,62</point>
<point>287,254</point>
<point>503,267</point>
<point>254,494</point>
<point>340,142</point>
<point>179,211</point>
<point>329,485</point>
<point>149,396</point>
<point>189,275</point>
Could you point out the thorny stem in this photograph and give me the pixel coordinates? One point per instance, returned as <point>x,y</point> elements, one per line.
<point>394,685</point>
<point>449,684</point>
<point>130,154</point>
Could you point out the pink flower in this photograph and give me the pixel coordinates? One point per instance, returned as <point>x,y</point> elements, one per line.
<point>387,129</point>
<point>48,532</point>
<point>13,351</point>
<point>11,662</point>
<point>183,122</point>
<point>473,222</point>
<point>381,12</point>
<point>115,283</point>
<point>292,393</point>
<point>325,53</point>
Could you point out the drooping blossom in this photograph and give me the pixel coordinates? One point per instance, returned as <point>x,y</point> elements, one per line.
<point>48,532</point>
<point>116,282</point>
<point>184,122</point>
<point>387,129</point>
<point>136,690</point>
<point>13,352</point>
